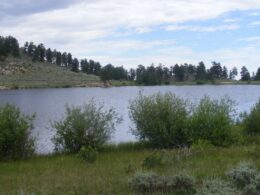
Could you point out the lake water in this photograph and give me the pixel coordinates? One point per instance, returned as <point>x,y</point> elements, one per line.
<point>49,104</point>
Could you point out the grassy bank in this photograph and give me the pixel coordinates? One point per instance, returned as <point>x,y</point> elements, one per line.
<point>21,72</point>
<point>68,174</point>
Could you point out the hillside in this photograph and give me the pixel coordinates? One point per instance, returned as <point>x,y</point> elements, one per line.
<point>23,73</point>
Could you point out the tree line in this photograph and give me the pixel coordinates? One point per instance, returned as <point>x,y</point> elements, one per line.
<point>9,46</point>
<point>151,75</point>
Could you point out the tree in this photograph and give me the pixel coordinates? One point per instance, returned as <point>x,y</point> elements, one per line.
<point>257,76</point>
<point>89,125</point>
<point>49,55</point>
<point>140,71</point>
<point>179,72</point>
<point>107,73</point>
<point>245,75</point>
<point>12,46</point>
<point>225,73</point>
<point>64,59</point>
<point>58,58</point>
<point>36,54</point>
<point>75,65</point>
<point>201,73</point>
<point>215,72</point>
<point>41,50</point>
<point>69,60</point>
<point>31,49</point>
<point>84,65</point>
<point>25,48</point>
<point>3,50</point>
<point>132,74</point>
<point>91,66</point>
<point>97,68</point>
<point>233,73</point>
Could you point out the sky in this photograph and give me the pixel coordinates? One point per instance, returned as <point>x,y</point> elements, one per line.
<point>133,32</point>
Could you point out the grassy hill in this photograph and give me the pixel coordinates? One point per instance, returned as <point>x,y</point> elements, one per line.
<point>23,73</point>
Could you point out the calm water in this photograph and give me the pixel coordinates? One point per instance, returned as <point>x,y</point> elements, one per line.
<point>48,104</point>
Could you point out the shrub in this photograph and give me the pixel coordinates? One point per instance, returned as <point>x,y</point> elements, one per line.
<point>212,120</point>
<point>146,182</point>
<point>15,133</point>
<point>252,120</point>
<point>88,126</point>
<point>151,182</point>
<point>88,154</point>
<point>251,190</point>
<point>160,119</point>
<point>243,174</point>
<point>181,184</point>
<point>217,187</point>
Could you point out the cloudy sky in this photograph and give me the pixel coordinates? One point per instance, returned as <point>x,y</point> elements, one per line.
<point>132,32</point>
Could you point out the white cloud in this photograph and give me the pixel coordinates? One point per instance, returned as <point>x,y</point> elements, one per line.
<point>255,23</point>
<point>254,14</point>
<point>202,28</point>
<point>88,28</point>
<point>231,20</point>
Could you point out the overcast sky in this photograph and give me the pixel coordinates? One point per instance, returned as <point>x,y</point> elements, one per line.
<point>132,32</point>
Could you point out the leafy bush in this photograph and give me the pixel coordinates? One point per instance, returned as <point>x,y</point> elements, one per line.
<point>160,119</point>
<point>147,182</point>
<point>88,154</point>
<point>250,190</point>
<point>181,184</point>
<point>217,187</point>
<point>88,125</point>
<point>252,120</point>
<point>212,120</point>
<point>15,139</point>
<point>151,182</point>
<point>243,174</point>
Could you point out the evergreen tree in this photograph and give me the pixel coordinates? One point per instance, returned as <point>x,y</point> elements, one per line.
<point>58,58</point>
<point>31,49</point>
<point>69,60</point>
<point>233,73</point>
<point>201,73</point>
<point>41,50</point>
<point>215,72</point>
<point>64,59</point>
<point>132,74</point>
<point>257,76</point>
<point>49,55</point>
<point>97,68</point>
<point>245,75</point>
<point>225,73</point>
<point>75,65</point>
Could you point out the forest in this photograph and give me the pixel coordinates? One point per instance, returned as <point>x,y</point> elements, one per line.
<point>142,75</point>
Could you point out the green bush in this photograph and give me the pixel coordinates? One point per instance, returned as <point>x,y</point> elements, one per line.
<point>15,138</point>
<point>89,125</point>
<point>181,184</point>
<point>212,120</point>
<point>252,120</point>
<point>160,119</point>
<point>151,182</point>
<point>243,174</point>
<point>88,154</point>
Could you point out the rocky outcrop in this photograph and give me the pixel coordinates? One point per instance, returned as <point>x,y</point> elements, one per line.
<point>12,67</point>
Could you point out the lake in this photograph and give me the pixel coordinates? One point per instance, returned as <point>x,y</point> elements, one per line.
<point>49,104</point>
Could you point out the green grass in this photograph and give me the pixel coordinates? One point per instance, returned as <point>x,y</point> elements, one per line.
<point>67,174</point>
<point>42,75</point>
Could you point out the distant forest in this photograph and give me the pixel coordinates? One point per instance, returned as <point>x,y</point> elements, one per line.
<point>151,75</point>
